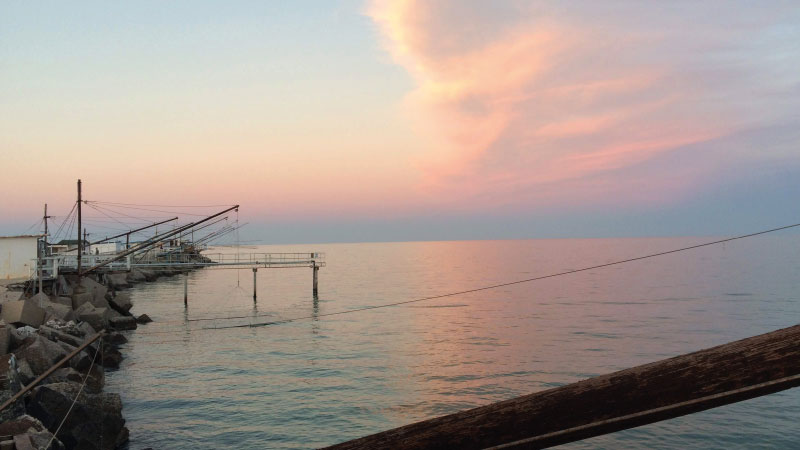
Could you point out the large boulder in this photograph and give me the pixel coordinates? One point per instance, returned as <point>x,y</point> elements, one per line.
<point>117,281</point>
<point>96,317</point>
<point>94,382</point>
<point>26,375</point>
<point>114,338</point>
<point>35,431</point>
<point>143,319</point>
<point>135,276</point>
<point>62,300</point>
<point>9,296</point>
<point>5,338</point>
<point>86,330</point>
<point>19,334</point>
<point>89,286</point>
<point>27,311</point>
<point>10,384</point>
<point>95,421</point>
<point>121,303</point>
<point>57,311</point>
<point>62,287</point>
<point>40,353</point>
<point>79,298</point>
<point>59,336</point>
<point>123,323</point>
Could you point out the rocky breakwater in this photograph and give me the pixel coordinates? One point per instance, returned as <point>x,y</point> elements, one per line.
<point>68,409</point>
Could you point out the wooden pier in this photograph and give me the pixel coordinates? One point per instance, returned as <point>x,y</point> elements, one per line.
<point>662,390</point>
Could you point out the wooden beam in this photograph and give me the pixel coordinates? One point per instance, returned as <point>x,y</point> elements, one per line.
<point>633,397</point>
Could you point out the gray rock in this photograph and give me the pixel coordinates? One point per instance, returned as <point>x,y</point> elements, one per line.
<point>149,275</point>
<point>59,336</point>
<point>19,334</point>
<point>81,298</point>
<point>95,418</point>
<point>57,311</point>
<point>123,323</point>
<point>94,382</point>
<point>19,425</point>
<point>96,317</point>
<point>62,300</point>
<point>143,319</point>
<point>41,439</point>
<point>10,384</point>
<point>40,353</point>
<point>135,276</point>
<point>121,303</point>
<point>25,372</point>
<point>5,338</point>
<point>63,287</point>
<point>86,330</point>
<point>114,338</point>
<point>117,280</point>
<point>112,358</point>
<point>25,311</point>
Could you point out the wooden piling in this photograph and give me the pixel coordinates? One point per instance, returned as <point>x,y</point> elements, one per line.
<point>186,289</point>
<point>629,398</point>
<point>255,270</point>
<point>316,278</point>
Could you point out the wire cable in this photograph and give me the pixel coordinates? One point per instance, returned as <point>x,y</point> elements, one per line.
<point>161,206</point>
<point>468,291</point>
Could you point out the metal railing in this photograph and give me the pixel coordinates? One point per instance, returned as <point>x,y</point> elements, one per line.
<point>52,265</point>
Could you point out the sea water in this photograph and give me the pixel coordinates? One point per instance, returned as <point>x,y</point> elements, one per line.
<point>323,379</point>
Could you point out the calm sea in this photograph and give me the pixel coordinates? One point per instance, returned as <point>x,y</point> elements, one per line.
<point>324,380</point>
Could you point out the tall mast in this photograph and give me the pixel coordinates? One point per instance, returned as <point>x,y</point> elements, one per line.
<point>80,243</point>
<point>45,223</point>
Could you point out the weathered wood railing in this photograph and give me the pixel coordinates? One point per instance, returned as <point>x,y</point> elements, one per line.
<point>629,398</point>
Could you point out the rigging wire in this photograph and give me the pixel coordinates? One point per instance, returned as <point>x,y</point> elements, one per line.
<point>468,291</point>
<point>105,208</point>
<point>36,223</point>
<point>151,210</point>
<point>161,206</point>
<point>58,232</point>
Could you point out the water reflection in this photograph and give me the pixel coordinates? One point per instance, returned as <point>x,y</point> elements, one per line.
<point>356,374</point>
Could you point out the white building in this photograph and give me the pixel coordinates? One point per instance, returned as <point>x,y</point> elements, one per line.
<point>18,256</point>
<point>105,248</point>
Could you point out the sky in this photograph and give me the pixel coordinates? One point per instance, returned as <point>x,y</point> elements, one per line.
<point>391,120</point>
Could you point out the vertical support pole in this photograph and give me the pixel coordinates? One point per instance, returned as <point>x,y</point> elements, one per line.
<point>316,277</point>
<point>80,243</point>
<point>186,290</point>
<point>255,270</point>
<point>41,267</point>
<point>127,241</point>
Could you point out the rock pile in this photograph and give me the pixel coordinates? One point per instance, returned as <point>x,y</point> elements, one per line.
<point>37,332</point>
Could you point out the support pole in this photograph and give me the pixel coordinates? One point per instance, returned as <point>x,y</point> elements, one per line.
<point>255,270</point>
<point>316,277</point>
<point>80,243</point>
<point>41,265</point>
<point>186,290</point>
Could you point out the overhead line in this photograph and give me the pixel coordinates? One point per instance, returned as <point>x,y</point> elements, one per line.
<point>161,206</point>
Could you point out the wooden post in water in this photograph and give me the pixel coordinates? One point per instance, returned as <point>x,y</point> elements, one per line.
<point>186,289</point>
<point>255,270</point>
<point>316,277</point>
<point>661,390</point>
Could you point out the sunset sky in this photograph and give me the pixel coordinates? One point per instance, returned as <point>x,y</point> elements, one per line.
<point>405,120</point>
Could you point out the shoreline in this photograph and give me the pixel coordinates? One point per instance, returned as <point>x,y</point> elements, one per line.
<point>37,331</point>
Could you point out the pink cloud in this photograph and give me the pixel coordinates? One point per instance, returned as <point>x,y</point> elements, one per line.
<point>539,96</point>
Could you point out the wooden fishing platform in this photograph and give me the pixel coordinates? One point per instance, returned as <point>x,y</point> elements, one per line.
<point>662,390</point>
